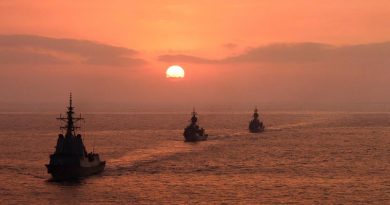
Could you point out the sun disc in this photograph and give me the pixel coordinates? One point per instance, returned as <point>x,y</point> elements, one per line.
<point>175,71</point>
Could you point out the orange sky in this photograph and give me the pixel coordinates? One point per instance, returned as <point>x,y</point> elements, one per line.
<point>195,25</point>
<point>223,45</point>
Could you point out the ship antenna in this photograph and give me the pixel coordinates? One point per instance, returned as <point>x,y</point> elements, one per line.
<point>255,114</point>
<point>70,99</point>
<point>70,120</point>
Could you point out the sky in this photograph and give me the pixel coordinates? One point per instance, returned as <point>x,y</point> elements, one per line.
<point>232,51</point>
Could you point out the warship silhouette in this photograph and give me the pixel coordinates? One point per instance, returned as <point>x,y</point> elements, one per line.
<point>255,125</point>
<point>70,159</point>
<point>193,132</point>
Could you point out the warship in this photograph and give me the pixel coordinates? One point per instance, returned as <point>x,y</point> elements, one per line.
<point>193,132</point>
<point>255,125</point>
<point>70,159</point>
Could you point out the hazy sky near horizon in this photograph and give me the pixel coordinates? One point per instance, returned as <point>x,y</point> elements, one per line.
<point>238,51</point>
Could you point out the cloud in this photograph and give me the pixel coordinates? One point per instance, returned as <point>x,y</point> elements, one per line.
<point>185,59</point>
<point>298,53</point>
<point>230,46</point>
<point>283,53</point>
<point>19,49</point>
<point>8,57</point>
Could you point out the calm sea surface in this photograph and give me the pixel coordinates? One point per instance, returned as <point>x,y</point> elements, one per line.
<point>302,158</point>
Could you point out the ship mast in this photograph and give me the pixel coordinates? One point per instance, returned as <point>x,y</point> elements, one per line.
<point>194,119</point>
<point>70,120</point>
<point>255,114</point>
<point>193,112</point>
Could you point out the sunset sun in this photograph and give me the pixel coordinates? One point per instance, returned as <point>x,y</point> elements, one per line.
<point>195,102</point>
<point>175,71</point>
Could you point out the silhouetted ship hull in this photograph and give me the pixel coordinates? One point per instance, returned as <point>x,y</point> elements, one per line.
<point>193,137</point>
<point>70,159</point>
<point>68,171</point>
<point>255,125</point>
<point>256,130</point>
<point>193,133</point>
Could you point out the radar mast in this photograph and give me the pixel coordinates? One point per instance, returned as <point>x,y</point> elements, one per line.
<point>70,120</point>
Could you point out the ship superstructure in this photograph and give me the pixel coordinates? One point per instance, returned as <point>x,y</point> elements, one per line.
<point>193,132</point>
<point>256,125</point>
<point>71,159</point>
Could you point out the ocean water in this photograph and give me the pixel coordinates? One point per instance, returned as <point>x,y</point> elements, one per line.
<point>302,158</point>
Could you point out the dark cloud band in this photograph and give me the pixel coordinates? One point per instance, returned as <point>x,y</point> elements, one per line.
<point>298,53</point>
<point>19,49</point>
